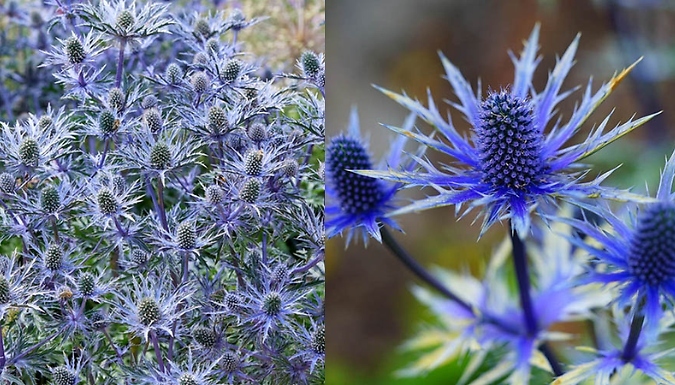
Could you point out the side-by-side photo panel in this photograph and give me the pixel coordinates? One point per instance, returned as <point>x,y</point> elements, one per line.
<point>499,192</point>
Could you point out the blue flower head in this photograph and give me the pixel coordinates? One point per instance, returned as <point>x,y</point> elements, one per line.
<point>358,204</point>
<point>509,166</point>
<point>639,256</point>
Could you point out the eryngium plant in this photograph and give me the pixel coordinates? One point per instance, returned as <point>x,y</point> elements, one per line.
<point>161,205</point>
<point>573,258</point>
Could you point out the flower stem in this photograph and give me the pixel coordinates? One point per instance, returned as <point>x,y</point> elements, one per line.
<point>417,269</point>
<point>630,349</point>
<point>524,286</point>
<point>309,265</point>
<point>158,352</point>
<point>546,350</point>
<point>160,201</point>
<point>523,278</point>
<point>31,349</point>
<point>3,357</point>
<point>120,63</point>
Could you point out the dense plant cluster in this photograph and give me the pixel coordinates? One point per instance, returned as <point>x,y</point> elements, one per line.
<point>580,251</point>
<point>161,199</point>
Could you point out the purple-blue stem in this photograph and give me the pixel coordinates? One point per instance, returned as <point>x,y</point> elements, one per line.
<point>313,262</point>
<point>120,229</point>
<point>56,230</point>
<point>106,147</point>
<point>120,63</point>
<point>151,192</point>
<point>26,352</point>
<point>630,349</point>
<point>3,358</point>
<point>160,201</point>
<point>158,352</point>
<point>524,288</point>
<point>112,344</point>
<point>264,247</point>
<point>417,269</point>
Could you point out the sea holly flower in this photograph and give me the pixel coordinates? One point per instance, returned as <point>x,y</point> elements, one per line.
<point>29,147</point>
<point>638,257</point>
<point>150,305</point>
<point>357,204</point>
<point>75,51</point>
<point>510,166</point>
<point>122,19</point>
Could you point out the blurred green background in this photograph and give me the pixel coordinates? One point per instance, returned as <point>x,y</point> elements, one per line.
<point>394,43</point>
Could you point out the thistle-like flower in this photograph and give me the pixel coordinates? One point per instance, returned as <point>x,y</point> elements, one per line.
<point>150,305</point>
<point>122,19</point>
<point>510,167</point>
<point>357,204</point>
<point>28,148</point>
<point>637,256</point>
<point>75,51</point>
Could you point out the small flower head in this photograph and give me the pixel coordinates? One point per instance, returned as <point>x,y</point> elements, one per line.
<point>186,235</point>
<point>160,156</point>
<point>356,200</point>
<point>53,257</point>
<point>174,74</point>
<point>638,257</point>
<point>74,50</point>
<point>508,143</point>
<point>116,99</point>
<point>30,146</point>
<point>214,194</point>
<point>107,123</point>
<point>310,63</point>
<point>29,152</point>
<point>45,122</point>
<point>120,19</point>
<point>202,27</point>
<point>217,120</point>
<point>205,337</point>
<point>125,20</point>
<point>152,118</point>
<point>139,257</point>
<point>231,71</point>
<point>149,101</point>
<point>651,256</point>
<point>250,191</point>
<point>319,340</point>
<point>7,183</point>
<point>148,311</point>
<point>253,162</point>
<point>86,284</point>
<point>61,375</point>
<point>257,132</point>
<point>50,200</point>
<point>200,82</point>
<point>151,305</point>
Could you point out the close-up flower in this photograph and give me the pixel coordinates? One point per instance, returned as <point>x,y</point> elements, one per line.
<point>510,166</point>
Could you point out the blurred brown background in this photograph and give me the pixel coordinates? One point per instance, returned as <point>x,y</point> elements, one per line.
<point>394,44</point>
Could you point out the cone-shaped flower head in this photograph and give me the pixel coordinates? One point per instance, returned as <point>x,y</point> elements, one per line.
<point>357,204</point>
